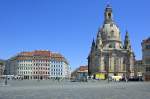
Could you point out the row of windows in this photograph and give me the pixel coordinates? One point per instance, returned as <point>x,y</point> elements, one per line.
<point>56,69</point>
<point>147,69</point>
<point>56,73</point>
<point>27,72</point>
<point>147,47</point>
<point>41,61</point>
<point>56,65</point>
<point>40,68</point>
<point>34,64</point>
<point>29,68</point>
<point>40,65</point>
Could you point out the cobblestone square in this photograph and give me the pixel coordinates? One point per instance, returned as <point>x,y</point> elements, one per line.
<point>74,90</point>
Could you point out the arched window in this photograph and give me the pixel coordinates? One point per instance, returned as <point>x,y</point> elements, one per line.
<point>109,15</point>
<point>110,46</point>
<point>112,33</point>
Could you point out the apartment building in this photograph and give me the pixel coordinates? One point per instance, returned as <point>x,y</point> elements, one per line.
<point>39,64</point>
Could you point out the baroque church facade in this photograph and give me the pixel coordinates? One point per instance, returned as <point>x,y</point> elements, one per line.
<point>108,56</point>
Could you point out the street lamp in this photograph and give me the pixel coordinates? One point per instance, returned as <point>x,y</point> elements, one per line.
<point>108,73</point>
<point>5,72</point>
<point>38,72</point>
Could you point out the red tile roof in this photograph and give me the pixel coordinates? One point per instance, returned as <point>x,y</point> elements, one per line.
<point>83,68</point>
<point>36,53</point>
<point>40,54</point>
<point>146,40</point>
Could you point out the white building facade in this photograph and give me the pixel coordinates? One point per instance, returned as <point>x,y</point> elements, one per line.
<point>38,65</point>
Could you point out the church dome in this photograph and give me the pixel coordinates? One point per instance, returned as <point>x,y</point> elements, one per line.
<point>110,31</point>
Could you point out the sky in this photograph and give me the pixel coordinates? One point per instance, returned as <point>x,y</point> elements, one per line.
<point>68,26</point>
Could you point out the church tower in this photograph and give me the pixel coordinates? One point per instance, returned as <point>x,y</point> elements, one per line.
<point>110,31</point>
<point>108,15</point>
<point>93,46</point>
<point>98,45</point>
<point>127,44</point>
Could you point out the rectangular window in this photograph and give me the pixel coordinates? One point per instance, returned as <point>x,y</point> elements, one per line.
<point>147,61</point>
<point>147,46</point>
<point>147,69</point>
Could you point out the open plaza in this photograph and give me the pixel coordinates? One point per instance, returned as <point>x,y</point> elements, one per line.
<point>52,89</point>
<point>74,49</point>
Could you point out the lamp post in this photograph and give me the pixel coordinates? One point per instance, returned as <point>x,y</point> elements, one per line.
<point>38,72</point>
<point>108,73</point>
<point>5,71</point>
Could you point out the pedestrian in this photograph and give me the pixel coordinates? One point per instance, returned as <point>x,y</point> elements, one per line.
<point>126,79</point>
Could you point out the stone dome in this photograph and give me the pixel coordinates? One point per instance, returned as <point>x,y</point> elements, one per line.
<point>110,32</point>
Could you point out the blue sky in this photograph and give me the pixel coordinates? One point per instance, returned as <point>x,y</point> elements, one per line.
<point>67,26</point>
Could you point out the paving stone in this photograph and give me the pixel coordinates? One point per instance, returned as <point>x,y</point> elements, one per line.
<point>75,90</point>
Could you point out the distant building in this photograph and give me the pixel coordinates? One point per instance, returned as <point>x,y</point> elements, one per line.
<point>146,58</point>
<point>2,67</point>
<point>39,64</point>
<point>139,68</point>
<point>108,55</point>
<point>59,66</point>
<point>80,73</point>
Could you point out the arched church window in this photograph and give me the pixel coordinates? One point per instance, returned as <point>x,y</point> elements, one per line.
<point>112,33</point>
<point>124,65</point>
<point>110,46</point>
<point>109,15</point>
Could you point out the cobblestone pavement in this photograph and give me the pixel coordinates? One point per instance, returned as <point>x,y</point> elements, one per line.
<point>74,90</point>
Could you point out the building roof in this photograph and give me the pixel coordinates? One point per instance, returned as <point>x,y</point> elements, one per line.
<point>80,69</point>
<point>40,54</point>
<point>36,53</point>
<point>146,40</point>
<point>58,57</point>
<point>83,68</point>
